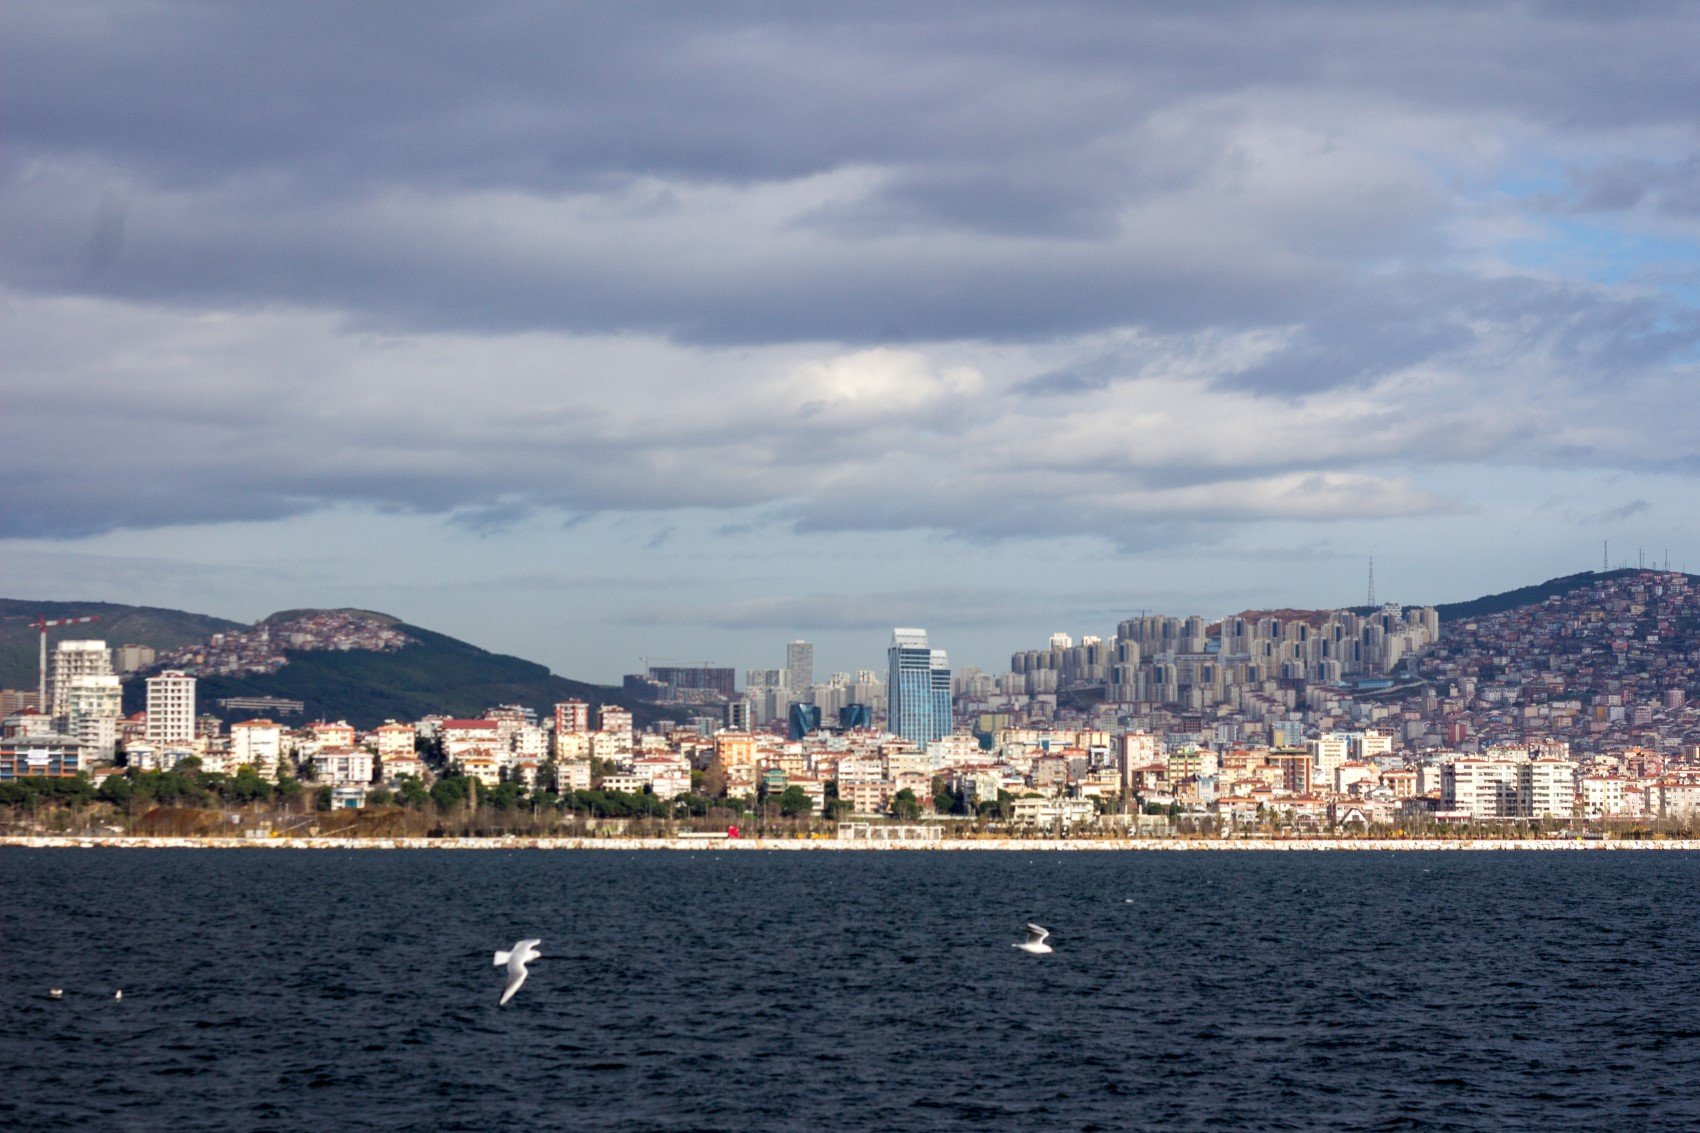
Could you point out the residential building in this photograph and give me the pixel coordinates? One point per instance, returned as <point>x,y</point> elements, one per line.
<point>394,741</point>
<point>73,660</point>
<point>343,765</point>
<point>571,717</point>
<point>258,744</point>
<point>171,708</point>
<point>54,756</point>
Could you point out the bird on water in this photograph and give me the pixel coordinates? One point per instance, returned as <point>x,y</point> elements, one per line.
<point>522,954</point>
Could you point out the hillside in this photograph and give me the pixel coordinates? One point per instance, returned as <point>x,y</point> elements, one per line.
<point>118,625</point>
<point>434,674</point>
<point>1530,595</point>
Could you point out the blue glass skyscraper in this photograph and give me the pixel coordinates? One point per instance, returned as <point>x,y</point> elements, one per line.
<point>917,688</point>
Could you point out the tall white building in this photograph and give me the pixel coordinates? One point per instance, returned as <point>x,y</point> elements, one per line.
<point>171,708</point>
<point>74,659</point>
<point>93,705</point>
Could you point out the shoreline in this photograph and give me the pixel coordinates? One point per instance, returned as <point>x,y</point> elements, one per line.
<point>982,845</point>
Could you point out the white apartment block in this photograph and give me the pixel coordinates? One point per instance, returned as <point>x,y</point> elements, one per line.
<point>92,707</point>
<point>258,744</point>
<point>171,708</point>
<point>953,751</point>
<point>343,766</point>
<point>572,775</point>
<point>73,660</point>
<point>1371,744</point>
<point>397,767</point>
<point>1482,787</point>
<point>1679,800</point>
<point>530,742</point>
<point>1547,788</point>
<point>611,745</point>
<point>1602,795</point>
<point>1327,753</point>
<point>1503,788</point>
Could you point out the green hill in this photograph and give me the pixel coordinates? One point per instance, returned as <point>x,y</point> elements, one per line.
<point>118,625</point>
<point>438,674</point>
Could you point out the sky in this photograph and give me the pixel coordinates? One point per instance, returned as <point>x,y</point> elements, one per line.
<point>605,331</point>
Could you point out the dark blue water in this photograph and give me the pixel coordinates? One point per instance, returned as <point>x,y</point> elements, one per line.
<point>849,991</point>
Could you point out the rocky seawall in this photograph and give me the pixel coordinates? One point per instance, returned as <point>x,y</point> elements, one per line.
<point>1168,845</point>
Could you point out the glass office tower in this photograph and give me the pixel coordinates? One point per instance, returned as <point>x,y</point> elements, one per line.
<point>917,689</point>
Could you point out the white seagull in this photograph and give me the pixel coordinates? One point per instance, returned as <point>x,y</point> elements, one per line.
<point>1035,942</point>
<point>523,953</point>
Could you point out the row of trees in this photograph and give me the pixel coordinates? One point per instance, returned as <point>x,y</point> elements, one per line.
<point>183,786</point>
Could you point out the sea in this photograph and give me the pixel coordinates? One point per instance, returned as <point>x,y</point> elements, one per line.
<point>724,990</point>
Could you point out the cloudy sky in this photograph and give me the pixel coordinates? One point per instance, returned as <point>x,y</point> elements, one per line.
<point>595,331</point>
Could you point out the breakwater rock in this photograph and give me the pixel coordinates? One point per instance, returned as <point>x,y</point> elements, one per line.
<point>1166,845</point>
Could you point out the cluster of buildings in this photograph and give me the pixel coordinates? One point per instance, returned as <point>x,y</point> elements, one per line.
<point>1574,708</point>
<point>84,726</point>
<point>1612,666</point>
<point>261,649</point>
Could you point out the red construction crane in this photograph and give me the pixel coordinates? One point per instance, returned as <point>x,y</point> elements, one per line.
<point>43,625</point>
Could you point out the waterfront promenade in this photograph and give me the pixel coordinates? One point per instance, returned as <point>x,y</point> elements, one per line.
<point>806,844</point>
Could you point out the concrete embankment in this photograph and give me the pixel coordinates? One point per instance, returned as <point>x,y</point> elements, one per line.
<point>746,844</point>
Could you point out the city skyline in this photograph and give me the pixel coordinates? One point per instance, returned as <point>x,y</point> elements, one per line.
<point>642,331</point>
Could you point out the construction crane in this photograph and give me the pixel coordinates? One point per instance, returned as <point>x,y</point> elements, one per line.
<point>43,625</point>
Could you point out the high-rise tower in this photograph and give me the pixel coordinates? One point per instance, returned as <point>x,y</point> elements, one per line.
<point>917,688</point>
<point>799,668</point>
<point>72,660</point>
<point>171,708</point>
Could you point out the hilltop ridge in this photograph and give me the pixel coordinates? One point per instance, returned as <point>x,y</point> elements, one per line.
<point>413,671</point>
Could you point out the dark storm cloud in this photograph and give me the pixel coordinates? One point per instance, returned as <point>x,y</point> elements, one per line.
<point>278,130</point>
<point>215,216</point>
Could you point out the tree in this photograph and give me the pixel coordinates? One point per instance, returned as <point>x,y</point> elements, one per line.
<point>449,791</point>
<point>247,786</point>
<point>322,798</point>
<point>905,805</point>
<point>412,791</point>
<point>288,788</point>
<point>794,802</point>
<point>117,790</point>
<point>839,809</point>
<point>713,780</point>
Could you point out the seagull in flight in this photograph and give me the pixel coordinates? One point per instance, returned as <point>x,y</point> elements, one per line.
<point>1035,942</point>
<point>523,953</point>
